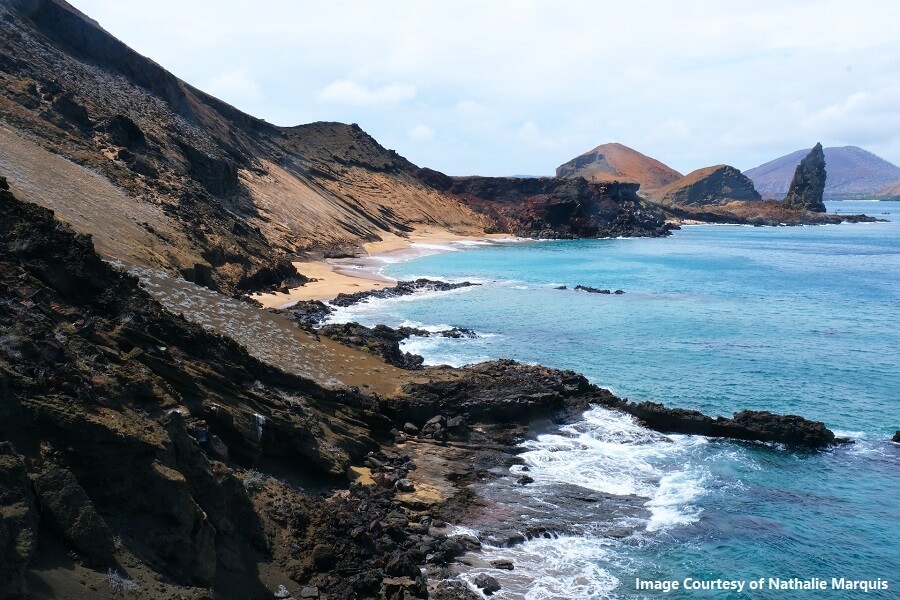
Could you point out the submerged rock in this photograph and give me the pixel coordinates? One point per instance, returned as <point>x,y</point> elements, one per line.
<point>591,290</point>
<point>808,184</point>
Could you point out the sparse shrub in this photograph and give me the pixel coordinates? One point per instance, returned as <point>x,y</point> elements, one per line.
<point>254,481</point>
<point>119,584</point>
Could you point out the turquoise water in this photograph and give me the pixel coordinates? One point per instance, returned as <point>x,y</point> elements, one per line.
<point>798,320</point>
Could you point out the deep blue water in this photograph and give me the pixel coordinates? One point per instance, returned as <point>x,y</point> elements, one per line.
<point>799,320</point>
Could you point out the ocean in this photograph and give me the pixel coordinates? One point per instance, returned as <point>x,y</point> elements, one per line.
<point>797,320</point>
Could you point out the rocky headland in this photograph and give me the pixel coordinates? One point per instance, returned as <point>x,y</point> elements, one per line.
<point>553,207</point>
<point>142,452</point>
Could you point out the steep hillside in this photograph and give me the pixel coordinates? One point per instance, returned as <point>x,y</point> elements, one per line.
<point>852,173</point>
<point>615,162</point>
<point>710,185</point>
<point>188,182</point>
<point>891,191</point>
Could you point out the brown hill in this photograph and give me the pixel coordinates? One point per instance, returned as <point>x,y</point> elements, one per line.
<point>172,177</point>
<point>163,175</point>
<point>709,185</point>
<point>615,162</point>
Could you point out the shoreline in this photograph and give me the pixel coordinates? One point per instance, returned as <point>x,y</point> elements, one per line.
<point>332,276</point>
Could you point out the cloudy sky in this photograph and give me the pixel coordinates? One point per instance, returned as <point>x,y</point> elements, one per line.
<point>518,87</point>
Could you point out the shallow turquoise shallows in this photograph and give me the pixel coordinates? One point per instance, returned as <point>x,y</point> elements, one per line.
<point>800,320</point>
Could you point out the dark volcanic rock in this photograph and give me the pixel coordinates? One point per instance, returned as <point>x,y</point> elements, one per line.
<point>591,290</point>
<point>380,340</point>
<point>403,288</point>
<point>18,523</point>
<point>709,185</point>
<point>808,184</point>
<point>308,313</point>
<point>896,437</point>
<point>760,426</point>
<point>94,379</point>
<point>66,506</point>
<point>488,584</point>
<point>498,391</point>
<point>550,207</point>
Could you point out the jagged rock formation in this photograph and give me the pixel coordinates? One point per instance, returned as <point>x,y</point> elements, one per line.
<point>615,162</point>
<point>852,173</point>
<point>551,207</point>
<point>808,184</point>
<point>717,184</point>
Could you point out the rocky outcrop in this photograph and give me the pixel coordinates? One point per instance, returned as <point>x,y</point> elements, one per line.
<point>756,426</point>
<point>19,523</point>
<point>615,162</point>
<point>896,437</point>
<point>67,508</point>
<point>760,213</point>
<point>123,412</point>
<point>380,340</point>
<point>546,207</point>
<point>808,184</point>
<point>402,288</point>
<point>710,185</point>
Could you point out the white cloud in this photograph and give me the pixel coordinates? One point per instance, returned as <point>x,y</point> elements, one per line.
<point>421,133</point>
<point>736,82</point>
<point>236,86</point>
<point>346,91</point>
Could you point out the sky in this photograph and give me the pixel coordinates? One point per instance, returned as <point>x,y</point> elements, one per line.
<point>519,87</point>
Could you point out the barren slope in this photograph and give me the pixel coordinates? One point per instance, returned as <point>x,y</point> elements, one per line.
<point>236,198</point>
<point>615,162</point>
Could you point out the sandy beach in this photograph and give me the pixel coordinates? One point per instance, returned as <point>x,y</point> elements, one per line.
<point>348,275</point>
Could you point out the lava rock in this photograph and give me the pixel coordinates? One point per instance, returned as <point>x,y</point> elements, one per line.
<point>591,290</point>
<point>405,485</point>
<point>808,184</point>
<point>67,507</point>
<point>488,584</point>
<point>506,565</point>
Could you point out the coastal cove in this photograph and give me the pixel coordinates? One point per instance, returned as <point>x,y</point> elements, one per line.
<point>715,318</point>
